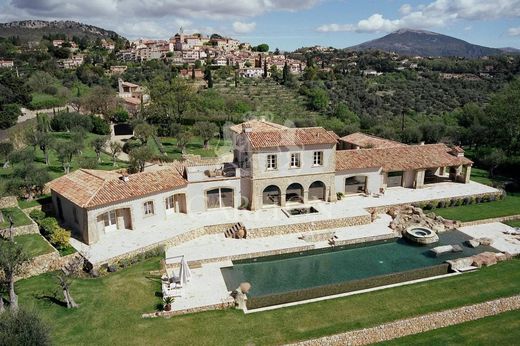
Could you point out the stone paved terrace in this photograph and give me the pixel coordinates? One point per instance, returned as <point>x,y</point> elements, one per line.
<point>495,231</point>
<point>216,246</point>
<point>122,242</point>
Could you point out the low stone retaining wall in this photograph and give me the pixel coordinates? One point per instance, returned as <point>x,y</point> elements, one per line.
<point>419,324</point>
<point>365,239</point>
<point>496,219</point>
<point>8,202</point>
<point>45,263</point>
<point>253,255</point>
<point>306,226</point>
<point>229,303</point>
<point>21,230</point>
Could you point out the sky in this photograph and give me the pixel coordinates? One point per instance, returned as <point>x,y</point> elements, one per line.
<point>285,24</point>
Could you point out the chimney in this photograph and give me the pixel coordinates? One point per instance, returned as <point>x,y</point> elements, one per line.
<point>246,128</point>
<point>262,119</point>
<point>125,178</point>
<point>421,143</point>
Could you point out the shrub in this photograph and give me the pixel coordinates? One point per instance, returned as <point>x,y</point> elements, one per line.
<point>339,195</point>
<point>492,198</point>
<point>458,202</point>
<point>48,225</point>
<point>452,202</point>
<point>131,144</point>
<point>60,238</point>
<point>99,125</point>
<point>64,121</point>
<point>51,90</point>
<point>478,199</point>
<point>466,201</point>
<point>88,162</point>
<point>37,215</point>
<point>119,116</point>
<point>442,204</point>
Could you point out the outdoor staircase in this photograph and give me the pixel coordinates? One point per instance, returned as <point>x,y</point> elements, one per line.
<point>238,231</point>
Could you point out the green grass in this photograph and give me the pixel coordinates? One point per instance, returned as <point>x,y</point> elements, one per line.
<point>45,101</point>
<point>111,307</point>
<point>195,147</point>
<point>68,250</point>
<point>19,217</point>
<point>515,223</point>
<point>503,329</point>
<point>510,205</point>
<point>36,202</point>
<point>33,244</point>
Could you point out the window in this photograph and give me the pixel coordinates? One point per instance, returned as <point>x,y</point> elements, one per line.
<point>357,184</point>
<point>108,218</point>
<point>295,160</point>
<point>272,162</point>
<point>394,179</point>
<point>219,198</point>
<point>148,208</point>
<point>318,158</point>
<point>170,203</point>
<point>75,214</point>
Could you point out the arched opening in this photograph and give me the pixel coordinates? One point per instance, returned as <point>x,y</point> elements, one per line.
<point>271,195</point>
<point>317,191</point>
<point>356,184</point>
<point>294,193</point>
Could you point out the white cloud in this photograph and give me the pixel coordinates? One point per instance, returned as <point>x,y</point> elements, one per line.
<point>157,9</point>
<point>243,28</point>
<point>405,9</point>
<point>435,14</point>
<point>514,31</point>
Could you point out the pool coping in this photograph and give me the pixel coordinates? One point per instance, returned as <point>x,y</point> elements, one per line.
<point>346,294</point>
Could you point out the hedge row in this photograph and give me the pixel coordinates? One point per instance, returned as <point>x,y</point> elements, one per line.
<point>51,230</point>
<point>458,201</point>
<point>349,286</point>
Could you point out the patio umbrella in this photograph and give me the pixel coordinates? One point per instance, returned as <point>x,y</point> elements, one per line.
<point>184,272</point>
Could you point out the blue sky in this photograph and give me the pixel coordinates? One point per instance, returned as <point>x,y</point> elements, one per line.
<point>286,24</point>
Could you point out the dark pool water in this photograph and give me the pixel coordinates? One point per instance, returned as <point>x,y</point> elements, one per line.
<point>279,274</point>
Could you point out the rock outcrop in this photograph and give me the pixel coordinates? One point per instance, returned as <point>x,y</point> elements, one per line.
<point>406,216</point>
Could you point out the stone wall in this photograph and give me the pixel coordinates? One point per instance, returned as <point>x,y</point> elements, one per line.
<point>306,226</point>
<point>496,219</point>
<point>21,230</point>
<point>226,304</point>
<point>8,202</point>
<point>46,263</point>
<point>419,324</point>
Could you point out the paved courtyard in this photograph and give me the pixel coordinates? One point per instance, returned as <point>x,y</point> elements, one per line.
<point>121,242</point>
<point>496,231</point>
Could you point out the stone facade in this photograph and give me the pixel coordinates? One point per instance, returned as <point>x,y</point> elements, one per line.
<point>496,219</point>
<point>419,324</point>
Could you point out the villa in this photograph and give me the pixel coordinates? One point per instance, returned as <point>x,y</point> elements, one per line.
<point>273,167</point>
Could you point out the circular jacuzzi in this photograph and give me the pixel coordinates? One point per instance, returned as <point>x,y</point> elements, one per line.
<point>421,235</point>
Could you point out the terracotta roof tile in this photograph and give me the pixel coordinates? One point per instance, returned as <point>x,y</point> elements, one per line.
<point>257,126</point>
<point>399,158</point>
<point>363,140</point>
<point>92,188</point>
<point>291,137</point>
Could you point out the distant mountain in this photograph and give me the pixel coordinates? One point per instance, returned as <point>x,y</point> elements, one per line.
<point>426,43</point>
<point>33,30</point>
<point>510,50</point>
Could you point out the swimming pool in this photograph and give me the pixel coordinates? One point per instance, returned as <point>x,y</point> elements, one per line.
<point>287,273</point>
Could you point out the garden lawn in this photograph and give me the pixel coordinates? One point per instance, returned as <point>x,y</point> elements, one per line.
<point>503,329</point>
<point>217,147</point>
<point>515,223</point>
<point>510,205</point>
<point>42,200</point>
<point>33,244</point>
<point>19,217</point>
<point>46,101</point>
<point>111,307</point>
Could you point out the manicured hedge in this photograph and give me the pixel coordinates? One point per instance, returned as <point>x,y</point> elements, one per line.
<point>349,286</point>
